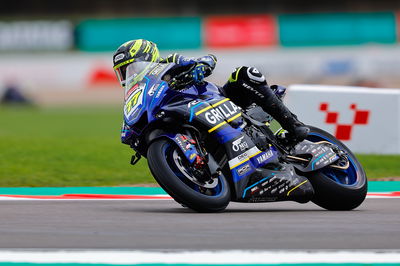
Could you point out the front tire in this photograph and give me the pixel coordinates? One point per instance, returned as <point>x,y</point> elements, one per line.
<point>337,189</point>
<point>172,172</point>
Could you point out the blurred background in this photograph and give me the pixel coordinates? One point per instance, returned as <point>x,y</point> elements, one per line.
<point>60,51</point>
<point>56,56</point>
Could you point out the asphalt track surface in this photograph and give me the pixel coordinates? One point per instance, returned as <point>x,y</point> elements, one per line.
<point>163,224</point>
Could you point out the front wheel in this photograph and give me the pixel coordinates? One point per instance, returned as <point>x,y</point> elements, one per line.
<point>337,189</point>
<point>174,174</point>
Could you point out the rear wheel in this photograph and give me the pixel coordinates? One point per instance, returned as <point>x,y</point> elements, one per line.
<point>337,189</point>
<point>180,180</point>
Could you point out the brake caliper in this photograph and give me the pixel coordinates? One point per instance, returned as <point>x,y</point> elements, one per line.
<point>199,162</point>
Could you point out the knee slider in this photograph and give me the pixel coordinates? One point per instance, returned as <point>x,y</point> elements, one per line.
<point>254,75</point>
<point>248,75</point>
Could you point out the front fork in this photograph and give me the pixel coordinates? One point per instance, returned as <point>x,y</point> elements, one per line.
<point>190,148</point>
<point>196,156</point>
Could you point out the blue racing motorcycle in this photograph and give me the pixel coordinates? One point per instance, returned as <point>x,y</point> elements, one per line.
<point>205,151</point>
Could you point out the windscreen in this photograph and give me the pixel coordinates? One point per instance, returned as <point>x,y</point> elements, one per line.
<point>136,72</point>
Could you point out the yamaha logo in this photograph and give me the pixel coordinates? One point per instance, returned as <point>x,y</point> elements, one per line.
<point>265,156</point>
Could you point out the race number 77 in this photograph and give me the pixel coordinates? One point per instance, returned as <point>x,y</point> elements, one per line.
<point>133,101</point>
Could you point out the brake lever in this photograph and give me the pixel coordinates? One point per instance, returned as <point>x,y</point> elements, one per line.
<point>182,80</point>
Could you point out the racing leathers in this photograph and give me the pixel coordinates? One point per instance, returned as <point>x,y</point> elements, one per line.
<point>245,86</point>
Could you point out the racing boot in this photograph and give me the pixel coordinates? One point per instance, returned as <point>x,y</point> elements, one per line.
<point>247,85</point>
<point>297,130</point>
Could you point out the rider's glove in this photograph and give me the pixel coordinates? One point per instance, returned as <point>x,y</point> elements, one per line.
<point>185,61</point>
<point>190,71</point>
<point>210,61</point>
<point>194,75</point>
<point>199,72</point>
<point>179,59</point>
<point>204,65</point>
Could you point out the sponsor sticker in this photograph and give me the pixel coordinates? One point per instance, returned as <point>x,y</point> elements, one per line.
<point>221,112</point>
<point>254,189</point>
<point>244,169</point>
<point>118,57</point>
<point>152,90</point>
<point>239,144</point>
<point>265,156</point>
<point>181,143</point>
<point>192,103</point>
<point>157,70</point>
<point>160,91</point>
<point>130,91</point>
<point>242,157</point>
<point>133,102</point>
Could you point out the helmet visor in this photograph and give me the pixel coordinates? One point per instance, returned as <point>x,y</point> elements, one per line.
<point>121,75</point>
<point>136,71</point>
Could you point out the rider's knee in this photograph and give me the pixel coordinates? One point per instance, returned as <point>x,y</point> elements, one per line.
<point>248,75</point>
<point>245,84</point>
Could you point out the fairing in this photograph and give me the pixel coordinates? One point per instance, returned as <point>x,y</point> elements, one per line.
<point>148,98</point>
<point>144,91</point>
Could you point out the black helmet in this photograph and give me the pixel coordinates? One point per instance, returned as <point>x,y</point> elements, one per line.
<point>133,51</point>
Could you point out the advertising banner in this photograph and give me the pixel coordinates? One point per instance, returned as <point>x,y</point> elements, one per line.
<point>337,28</point>
<point>367,120</point>
<point>167,33</point>
<point>239,31</point>
<point>36,35</point>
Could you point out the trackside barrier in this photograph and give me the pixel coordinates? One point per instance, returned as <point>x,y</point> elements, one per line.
<point>365,119</point>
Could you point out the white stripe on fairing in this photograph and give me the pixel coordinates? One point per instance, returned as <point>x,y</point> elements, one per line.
<point>200,257</point>
<point>249,153</point>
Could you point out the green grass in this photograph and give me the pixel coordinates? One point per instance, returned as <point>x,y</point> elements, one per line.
<point>378,166</point>
<point>81,147</point>
<point>65,147</point>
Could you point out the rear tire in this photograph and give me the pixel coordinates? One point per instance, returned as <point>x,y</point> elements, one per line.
<point>337,189</point>
<point>173,180</point>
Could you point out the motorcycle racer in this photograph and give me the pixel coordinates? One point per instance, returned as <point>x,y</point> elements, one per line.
<point>245,86</point>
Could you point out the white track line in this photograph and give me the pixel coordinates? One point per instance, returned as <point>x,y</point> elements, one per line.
<point>200,257</point>
<point>28,197</point>
<point>383,196</point>
<point>10,198</point>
